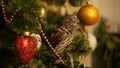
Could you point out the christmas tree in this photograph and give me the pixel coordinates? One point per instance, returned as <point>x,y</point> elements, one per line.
<point>32,36</point>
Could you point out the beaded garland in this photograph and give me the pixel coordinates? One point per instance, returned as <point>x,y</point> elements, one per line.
<point>12,16</point>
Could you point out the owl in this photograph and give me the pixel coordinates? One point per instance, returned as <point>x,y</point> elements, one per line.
<point>64,33</point>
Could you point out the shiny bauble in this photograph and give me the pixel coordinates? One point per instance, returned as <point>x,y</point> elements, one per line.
<point>63,11</point>
<point>43,12</point>
<point>25,48</point>
<point>92,41</point>
<point>88,15</point>
<point>38,39</point>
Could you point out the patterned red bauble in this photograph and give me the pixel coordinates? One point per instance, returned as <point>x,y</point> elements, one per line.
<point>25,48</point>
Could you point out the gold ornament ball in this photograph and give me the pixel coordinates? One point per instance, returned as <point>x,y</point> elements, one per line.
<point>88,15</point>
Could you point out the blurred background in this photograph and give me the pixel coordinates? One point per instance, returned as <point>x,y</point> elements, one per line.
<point>107,52</point>
<point>104,37</point>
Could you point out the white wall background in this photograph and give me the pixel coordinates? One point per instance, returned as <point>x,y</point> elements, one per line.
<point>108,8</point>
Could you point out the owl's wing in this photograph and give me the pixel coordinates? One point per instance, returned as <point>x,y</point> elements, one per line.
<point>56,37</point>
<point>60,39</point>
<point>64,42</point>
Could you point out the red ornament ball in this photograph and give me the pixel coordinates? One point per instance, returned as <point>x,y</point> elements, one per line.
<point>25,48</point>
<point>88,14</point>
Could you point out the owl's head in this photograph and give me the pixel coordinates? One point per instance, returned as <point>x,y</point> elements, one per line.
<point>69,22</point>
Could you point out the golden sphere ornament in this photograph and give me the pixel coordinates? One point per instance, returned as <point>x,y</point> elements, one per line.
<point>88,14</point>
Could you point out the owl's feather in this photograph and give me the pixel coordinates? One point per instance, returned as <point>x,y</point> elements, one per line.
<point>64,33</point>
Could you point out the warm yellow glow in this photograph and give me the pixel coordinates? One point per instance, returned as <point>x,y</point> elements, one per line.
<point>92,13</point>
